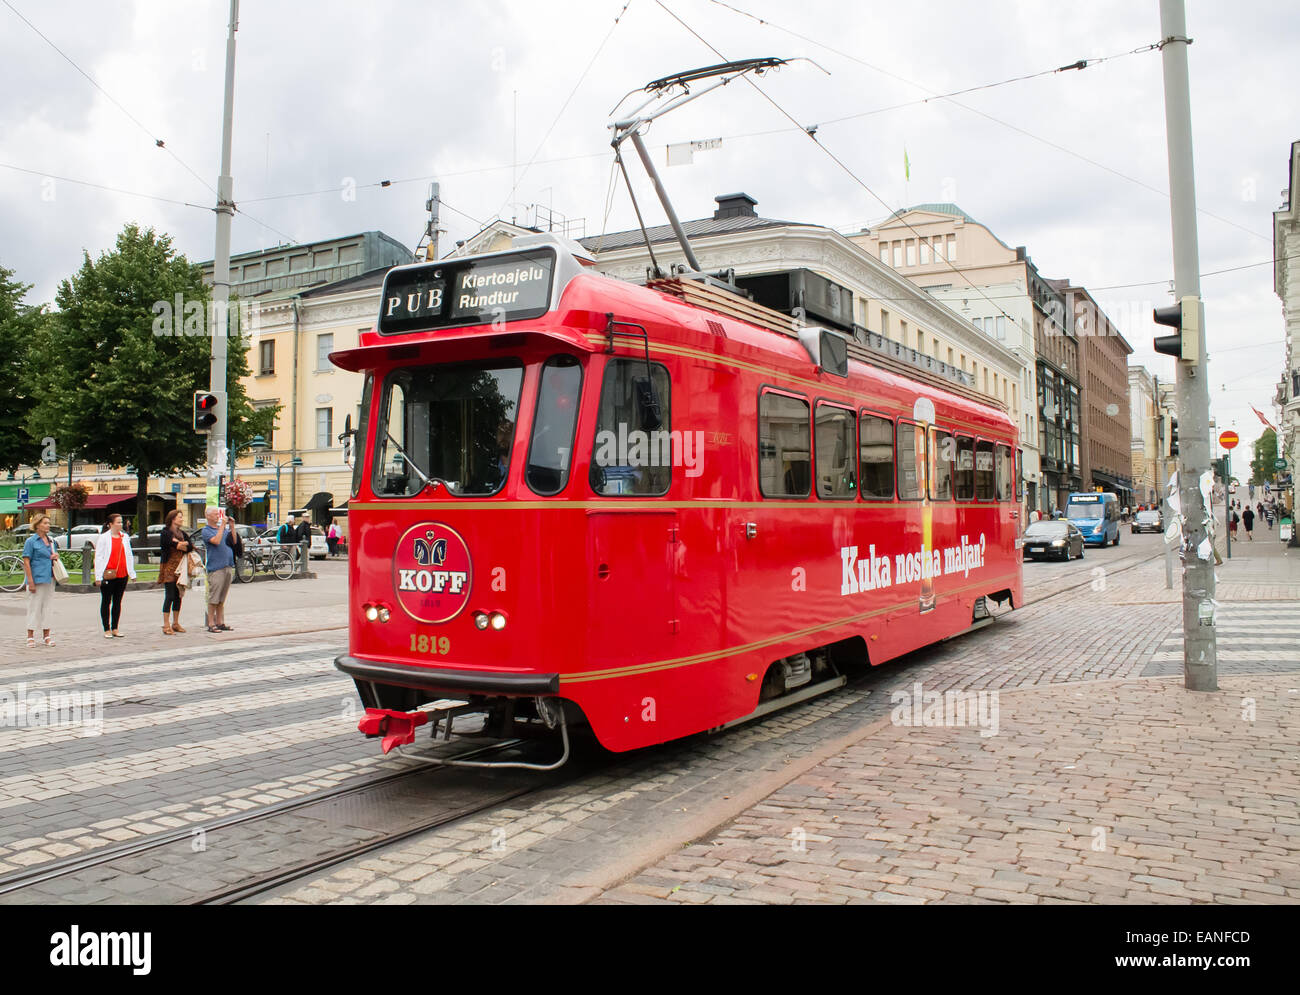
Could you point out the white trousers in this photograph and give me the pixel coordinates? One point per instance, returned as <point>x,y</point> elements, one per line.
<point>39,607</point>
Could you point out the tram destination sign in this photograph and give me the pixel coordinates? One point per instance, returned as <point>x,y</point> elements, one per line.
<point>454,293</point>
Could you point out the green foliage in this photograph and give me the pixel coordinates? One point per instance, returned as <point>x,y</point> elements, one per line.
<point>19,326</point>
<point>1261,467</point>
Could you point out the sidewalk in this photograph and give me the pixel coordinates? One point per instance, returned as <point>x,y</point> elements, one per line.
<point>266,608</point>
<point>1120,791</point>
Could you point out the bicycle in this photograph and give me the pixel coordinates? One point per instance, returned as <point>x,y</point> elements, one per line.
<point>12,576</point>
<point>273,561</point>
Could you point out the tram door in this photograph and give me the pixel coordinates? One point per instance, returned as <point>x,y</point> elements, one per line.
<point>632,600</point>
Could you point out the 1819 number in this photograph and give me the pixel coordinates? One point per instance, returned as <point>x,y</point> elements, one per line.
<point>434,645</point>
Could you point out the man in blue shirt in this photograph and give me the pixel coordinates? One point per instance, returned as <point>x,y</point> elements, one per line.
<point>220,567</point>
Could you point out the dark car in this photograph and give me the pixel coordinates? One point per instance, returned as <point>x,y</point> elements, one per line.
<point>1059,540</point>
<point>1147,521</point>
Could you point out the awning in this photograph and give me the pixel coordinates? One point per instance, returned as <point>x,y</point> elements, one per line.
<point>319,501</point>
<point>93,501</point>
<point>340,510</point>
<point>8,507</point>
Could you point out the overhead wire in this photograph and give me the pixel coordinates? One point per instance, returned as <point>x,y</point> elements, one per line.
<point>984,114</point>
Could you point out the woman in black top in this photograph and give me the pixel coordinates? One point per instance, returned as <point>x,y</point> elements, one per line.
<point>173,547</point>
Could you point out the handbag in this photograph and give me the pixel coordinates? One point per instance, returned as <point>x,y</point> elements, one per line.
<point>60,571</point>
<point>110,575</point>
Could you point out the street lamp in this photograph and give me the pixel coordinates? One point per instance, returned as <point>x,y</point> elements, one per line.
<point>260,463</point>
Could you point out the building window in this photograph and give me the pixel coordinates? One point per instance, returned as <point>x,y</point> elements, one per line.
<point>1001,327</point>
<point>836,476</point>
<point>952,248</point>
<point>949,356</point>
<point>902,332</point>
<point>884,322</point>
<point>784,440</point>
<point>911,252</point>
<point>898,255</point>
<point>324,427</point>
<point>324,346</point>
<point>925,251</point>
<point>920,341</point>
<point>266,356</point>
<point>884,253</point>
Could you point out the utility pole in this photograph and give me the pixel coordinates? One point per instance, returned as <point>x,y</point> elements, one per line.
<point>217,450</point>
<point>432,230</point>
<point>1160,495</point>
<point>1200,651</point>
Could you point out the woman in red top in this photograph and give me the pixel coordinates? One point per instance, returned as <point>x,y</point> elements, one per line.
<point>114,566</point>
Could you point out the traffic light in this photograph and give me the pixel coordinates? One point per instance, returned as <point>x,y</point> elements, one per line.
<point>1173,436</point>
<point>205,410</point>
<point>1186,317</point>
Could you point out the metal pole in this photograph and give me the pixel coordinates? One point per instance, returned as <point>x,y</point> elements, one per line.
<point>1227,500</point>
<point>663,199</point>
<point>278,497</point>
<point>221,268</point>
<point>1160,494</point>
<point>1200,651</point>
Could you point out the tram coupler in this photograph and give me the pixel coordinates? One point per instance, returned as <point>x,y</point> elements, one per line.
<point>397,728</point>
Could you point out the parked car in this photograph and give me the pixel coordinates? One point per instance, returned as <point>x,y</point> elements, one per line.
<point>1058,539</point>
<point>1147,521</point>
<point>318,550</point>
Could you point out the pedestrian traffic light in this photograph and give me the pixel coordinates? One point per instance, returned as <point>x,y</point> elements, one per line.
<point>1173,436</point>
<point>205,410</point>
<point>1186,317</point>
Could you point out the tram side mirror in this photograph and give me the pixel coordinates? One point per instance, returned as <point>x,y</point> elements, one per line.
<point>827,349</point>
<point>649,414</point>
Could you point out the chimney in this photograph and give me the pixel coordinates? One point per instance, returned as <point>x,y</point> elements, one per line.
<point>735,205</point>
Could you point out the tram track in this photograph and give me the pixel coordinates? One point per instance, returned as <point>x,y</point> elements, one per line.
<point>381,811</point>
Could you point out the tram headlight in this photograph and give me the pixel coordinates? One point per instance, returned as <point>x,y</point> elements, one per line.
<point>384,614</point>
<point>498,621</point>
<point>372,612</point>
<point>480,620</point>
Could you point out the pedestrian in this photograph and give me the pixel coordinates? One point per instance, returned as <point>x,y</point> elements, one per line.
<point>236,540</point>
<point>284,534</point>
<point>114,567</point>
<point>1248,520</point>
<point>220,567</point>
<point>39,557</point>
<point>303,532</point>
<point>173,548</point>
<point>332,538</point>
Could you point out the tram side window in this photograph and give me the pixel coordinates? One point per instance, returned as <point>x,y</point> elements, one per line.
<point>836,476</point>
<point>784,441</point>
<point>632,452</point>
<point>876,457</point>
<point>362,427</point>
<point>984,471</point>
<point>551,449</point>
<point>964,476</point>
<point>943,450</point>
<point>911,449</point>
<point>1005,472</point>
<point>451,425</point>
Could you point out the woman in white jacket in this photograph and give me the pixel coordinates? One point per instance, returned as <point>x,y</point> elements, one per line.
<point>114,566</point>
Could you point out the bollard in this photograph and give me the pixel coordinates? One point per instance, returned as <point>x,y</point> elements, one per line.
<point>88,564</point>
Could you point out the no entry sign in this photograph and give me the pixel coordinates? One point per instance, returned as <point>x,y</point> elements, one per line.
<point>1229,440</point>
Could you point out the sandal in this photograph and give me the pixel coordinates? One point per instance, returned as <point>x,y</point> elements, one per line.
<point>107,634</point>
<point>213,628</point>
<point>31,642</point>
<point>225,628</point>
<point>49,640</point>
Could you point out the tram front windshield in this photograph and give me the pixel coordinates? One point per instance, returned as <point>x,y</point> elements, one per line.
<point>449,425</point>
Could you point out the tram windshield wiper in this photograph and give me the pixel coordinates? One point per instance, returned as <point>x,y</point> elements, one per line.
<point>424,478</point>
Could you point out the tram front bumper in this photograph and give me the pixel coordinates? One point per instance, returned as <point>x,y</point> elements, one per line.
<point>456,681</point>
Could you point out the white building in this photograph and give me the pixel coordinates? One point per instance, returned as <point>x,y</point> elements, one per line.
<point>1286,283</point>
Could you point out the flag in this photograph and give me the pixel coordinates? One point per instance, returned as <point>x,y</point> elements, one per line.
<point>907,166</point>
<point>1263,419</point>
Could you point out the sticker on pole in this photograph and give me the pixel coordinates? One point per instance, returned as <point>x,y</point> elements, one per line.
<point>432,573</point>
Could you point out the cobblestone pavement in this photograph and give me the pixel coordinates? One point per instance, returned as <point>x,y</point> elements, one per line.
<point>1126,791</point>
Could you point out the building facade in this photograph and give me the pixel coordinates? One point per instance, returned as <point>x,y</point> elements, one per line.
<point>1105,431</point>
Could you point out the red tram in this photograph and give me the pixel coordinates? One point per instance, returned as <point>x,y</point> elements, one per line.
<point>576,499</point>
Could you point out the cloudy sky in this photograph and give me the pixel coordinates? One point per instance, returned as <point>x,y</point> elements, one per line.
<point>506,102</point>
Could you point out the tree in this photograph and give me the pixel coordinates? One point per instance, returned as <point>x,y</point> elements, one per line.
<point>121,361</point>
<point>19,325</point>
<point>1261,467</point>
